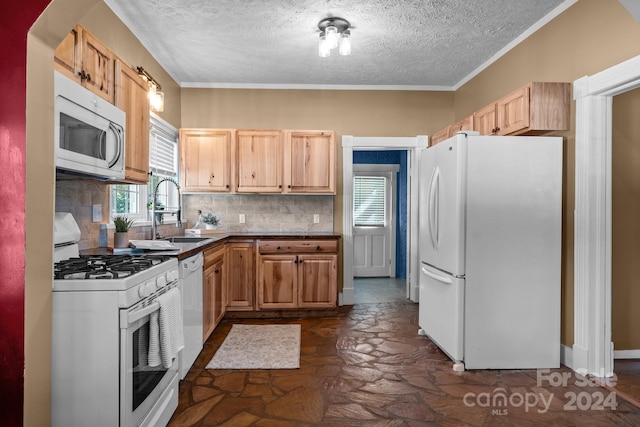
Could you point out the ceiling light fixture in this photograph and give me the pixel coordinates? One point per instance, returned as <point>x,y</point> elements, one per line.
<point>156,96</point>
<point>334,32</point>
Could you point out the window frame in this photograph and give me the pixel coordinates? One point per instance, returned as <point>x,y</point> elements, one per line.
<point>157,126</point>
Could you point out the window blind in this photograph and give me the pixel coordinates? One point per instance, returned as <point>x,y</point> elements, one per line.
<point>369,201</point>
<point>163,149</point>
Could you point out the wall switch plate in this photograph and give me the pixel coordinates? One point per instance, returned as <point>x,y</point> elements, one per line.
<point>241,218</point>
<point>316,218</point>
<point>96,213</point>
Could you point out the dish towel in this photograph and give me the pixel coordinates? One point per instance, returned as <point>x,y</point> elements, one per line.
<point>167,338</point>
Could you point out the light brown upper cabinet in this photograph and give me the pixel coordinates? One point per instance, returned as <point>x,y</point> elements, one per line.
<point>132,97</point>
<point>534,109</point>
<point>83,58</point>
<point>309,162</point>
<point>439,136</point>
<point>484,120</point>
<point>461,125</point>
<point>205,159</point>
<point>259,161</point>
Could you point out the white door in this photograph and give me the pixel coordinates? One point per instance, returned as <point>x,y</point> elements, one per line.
<point>374,220</point>
<point>442,181</point>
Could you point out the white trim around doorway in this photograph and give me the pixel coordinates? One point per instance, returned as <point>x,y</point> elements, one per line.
<point>592,348</point>
<point>413,145</point>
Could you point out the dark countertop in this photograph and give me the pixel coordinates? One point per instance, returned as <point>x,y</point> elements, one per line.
<point>188,249</point>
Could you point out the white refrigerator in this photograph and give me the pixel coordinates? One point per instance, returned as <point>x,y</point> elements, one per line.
<point>490,250</point>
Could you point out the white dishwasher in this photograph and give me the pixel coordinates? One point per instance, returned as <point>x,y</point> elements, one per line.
<point>191,284</point>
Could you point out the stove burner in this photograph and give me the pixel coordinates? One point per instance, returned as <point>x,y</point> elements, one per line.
<point>105,266</point>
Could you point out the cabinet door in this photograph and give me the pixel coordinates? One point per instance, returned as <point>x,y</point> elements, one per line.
<point>277,281</point>
<point>318,280</point>
<point>513,111</point>
<point>310,162</point>
<point>259,161</point>
<point>460,125</point>
<point>205,163</point>
<point>484,120</point>
<point>240,287</point>
<point>212,297</point>
<point>219,284</point>
<point>132,97</point>
<point>67,55</point>
<point>439,136</point>
<point>208,302</point>
<point>97,68</point>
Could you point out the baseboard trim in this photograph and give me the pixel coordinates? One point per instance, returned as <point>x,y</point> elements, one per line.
<point>566,356</point>
<point>626,354</point>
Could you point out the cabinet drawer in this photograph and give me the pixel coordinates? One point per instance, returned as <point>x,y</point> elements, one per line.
<point>297,246</point>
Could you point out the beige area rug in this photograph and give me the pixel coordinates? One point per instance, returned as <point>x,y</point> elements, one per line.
<point>259,347</point>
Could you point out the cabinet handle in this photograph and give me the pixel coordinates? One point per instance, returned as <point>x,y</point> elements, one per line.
<point>318,247</point>
<point>84,76</point>
<point>227,185</point>
<point>288,186</point>
<point>216,271</point>
<point>280,186</point>
<point>278,248</point>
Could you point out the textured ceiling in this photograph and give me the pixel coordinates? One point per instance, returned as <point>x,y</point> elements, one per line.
<point>397,44</point>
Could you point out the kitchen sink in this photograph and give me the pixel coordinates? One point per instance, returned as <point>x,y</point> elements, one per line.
<point>185,239</point>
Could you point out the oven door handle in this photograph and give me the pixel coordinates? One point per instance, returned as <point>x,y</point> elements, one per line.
<point>133,316</point>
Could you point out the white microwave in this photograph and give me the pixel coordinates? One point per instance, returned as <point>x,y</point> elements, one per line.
<point>89,132</point>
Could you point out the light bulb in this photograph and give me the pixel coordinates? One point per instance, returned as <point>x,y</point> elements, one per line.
<point>323,46</point>
<point>345,43</point>
<point>332,36</point>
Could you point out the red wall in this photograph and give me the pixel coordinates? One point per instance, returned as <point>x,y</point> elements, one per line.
<point>16,18</point>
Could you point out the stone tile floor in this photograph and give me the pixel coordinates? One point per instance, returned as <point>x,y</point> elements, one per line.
<point>367,366</point>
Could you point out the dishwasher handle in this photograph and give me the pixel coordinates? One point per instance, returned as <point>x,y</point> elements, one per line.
<point>191,265</point>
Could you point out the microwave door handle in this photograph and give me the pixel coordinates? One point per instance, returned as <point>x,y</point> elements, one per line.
<point>118,132</point>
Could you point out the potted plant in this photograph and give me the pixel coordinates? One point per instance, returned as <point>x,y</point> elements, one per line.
<point>121,235</point>
<point>210,220</point>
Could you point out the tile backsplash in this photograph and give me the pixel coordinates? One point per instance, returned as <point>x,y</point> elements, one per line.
<point>263,213</point>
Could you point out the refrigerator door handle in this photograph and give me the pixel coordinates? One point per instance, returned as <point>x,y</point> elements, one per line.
<point>442,279</point>
<point>433,207</point>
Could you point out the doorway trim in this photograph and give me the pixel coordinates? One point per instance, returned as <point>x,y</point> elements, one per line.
<point>593,348</point>
<point>413,145</point>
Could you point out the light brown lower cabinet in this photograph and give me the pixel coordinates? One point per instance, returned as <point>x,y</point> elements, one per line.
<point>240,284</point>
<point>317,281</point>
<point>297,274</point>
<point>214,283</point>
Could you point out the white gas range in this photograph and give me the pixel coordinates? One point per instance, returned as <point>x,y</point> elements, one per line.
<point>114,356</point>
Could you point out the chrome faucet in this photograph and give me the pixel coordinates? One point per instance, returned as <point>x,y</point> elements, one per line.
<point>154,233</point>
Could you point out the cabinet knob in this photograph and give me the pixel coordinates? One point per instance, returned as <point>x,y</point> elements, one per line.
<point>288,186</point>
<point>278,248</point>
<point>280,186</point>
<point>216,271</point>
<point>227,185</point>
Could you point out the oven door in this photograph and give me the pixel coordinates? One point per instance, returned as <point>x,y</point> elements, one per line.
<point>148,394</point>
